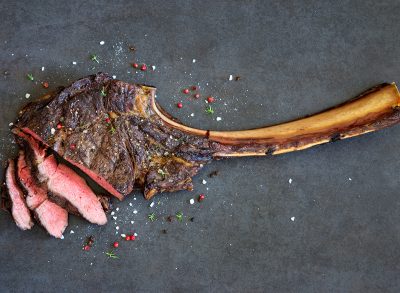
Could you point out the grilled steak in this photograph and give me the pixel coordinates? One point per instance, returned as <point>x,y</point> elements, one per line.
<point>107,128</point>
<point>65,183</point>
<point>19,210</point>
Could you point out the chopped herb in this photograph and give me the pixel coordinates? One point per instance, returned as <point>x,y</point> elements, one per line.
<point>209,110</point>
<point>162,173</point>
<point>112,129</point>
<point>179,216</point>
<point>152,217</point>
<point>111,254</point>
<point>93,57</point>
<point>103,92</point>
<point>30,77</point>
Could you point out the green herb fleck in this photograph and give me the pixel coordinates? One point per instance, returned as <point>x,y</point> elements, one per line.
<point>111,254</point>
<point>152,217</point>
<point>103,92</point>
<point>162,173</point>
<point>93,57</point>
<point>112,129</point>
<point>209,110</point>
<point>179,216</point>
<point>30,77</point>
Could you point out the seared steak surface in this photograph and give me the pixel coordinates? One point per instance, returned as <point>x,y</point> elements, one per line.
<point>107,128</point>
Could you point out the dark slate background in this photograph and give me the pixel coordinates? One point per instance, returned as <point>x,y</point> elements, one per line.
<point>295,58</point>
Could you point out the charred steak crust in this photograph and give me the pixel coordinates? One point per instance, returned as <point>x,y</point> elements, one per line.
<point>108,127</point>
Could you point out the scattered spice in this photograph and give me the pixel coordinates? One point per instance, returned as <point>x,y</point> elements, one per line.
<point>194,88</point>
<point>152,217</point>
<point>116,244</point>
<point>93,57</point>
<point>45,84</point>
<point>103,92</point>
<point>72,146</point>
<point>89,243</point>
<point>132,48</point>
<point>210,99</point>
<point>170,218</point>
<point>192,219</point>
<point>185,91</point>
<point>201,197</point>
<point>143,67</point>
<point>179,216</point>
<point>164,231</point>
<point>179,105</point>
<point>30,77</point>
<point>213,174</point>
<point>209,110</point>
<point>135,65</point>
<point>111,254</point>
<point>237,78</point>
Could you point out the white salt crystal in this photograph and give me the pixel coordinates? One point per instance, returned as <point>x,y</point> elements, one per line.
<point>230,77</point>
<point>27,95</point>
<point>191,201</point>
<point>135,211</point>
<point>152,204</point>
<point>194,60</point>
<point>219,118</point>
<point>292,218</point>
<point>290,180</point>
<point>42,68</point>
<point>204,181</point>
<point>73,62</point>
<point>52,131</point>
<point>102,43</point>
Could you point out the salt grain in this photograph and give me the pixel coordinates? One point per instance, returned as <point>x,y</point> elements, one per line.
<point>204,181</point>
<point>117,209</point>
<point>130,204</point>
<point>349,179</point>
<point>132,222</point>
<point>192,114</point>
<point>52,131</point>
<point>290,180</point>
<point>194,60</point>
<point>123,235</point>
<point>219,118</point>
<point>153,67</point>
<point>112,213</point>
<point>117,227</point>
<point>292,218</point>
<point>27,95</point>
<point>115,217</point>
<point>191,201</point>
<point>73,62</point>
<point>114,76</point>
<point>230,77</point>
<point>42,68</point>
<point>71,232</point>
<point>102,43</point>
<point>152,204</point>
<point>11,124</point>
<point>62,237</point>
<point>135,211</point>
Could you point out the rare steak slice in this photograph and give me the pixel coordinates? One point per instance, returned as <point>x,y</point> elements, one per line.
<point>50,215</point>
<point>64,182</point>
<point>19,210</point>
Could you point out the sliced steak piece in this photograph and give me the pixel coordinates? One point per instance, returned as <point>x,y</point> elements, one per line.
<point>65,183</point>
<point>51,216</point>
<point>35,194</point>
<point>19,210</point>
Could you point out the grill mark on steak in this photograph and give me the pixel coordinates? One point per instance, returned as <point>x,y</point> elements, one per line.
<point>19,210</point>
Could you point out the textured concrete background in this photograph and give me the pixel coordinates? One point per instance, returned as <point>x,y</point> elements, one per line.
<point>294,59</point>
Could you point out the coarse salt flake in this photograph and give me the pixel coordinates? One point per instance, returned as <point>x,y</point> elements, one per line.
<point>11,124</point>
<point>152,204</point>
<point>219,118</point>
<point>292,218</point>
<point>117,209</point>
<point>117,227</point>
<point>290,180</point>
<point>115,217</point>
<point>191,201</point>
<point>132,222</point>
<point>123,235</point>
<point>101,43</point>
<point>192,114</point>
<point>27,95</point>
<point>52,131</point>
<point>114,76</point>
<point>153,67</point>
<point>194,60</point>
<point>62,237</point>
<point>204,181</point>
<point>71,232</point>
<point>42,68</point>
<point>73,62</point>
<point>130,204</point>
<point>230,77</point>
<point>112,213</point>
<point>135,211</point>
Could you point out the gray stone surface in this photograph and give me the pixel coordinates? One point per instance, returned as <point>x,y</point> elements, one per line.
<point>295,58</point>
